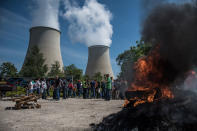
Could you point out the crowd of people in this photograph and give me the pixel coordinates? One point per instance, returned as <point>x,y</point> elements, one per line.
<point>106,89</point>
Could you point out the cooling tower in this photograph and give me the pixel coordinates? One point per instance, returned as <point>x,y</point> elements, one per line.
<point>98,61</point>
<point>48,41</point>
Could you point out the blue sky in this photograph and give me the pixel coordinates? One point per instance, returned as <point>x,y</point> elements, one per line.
<point>16,19</point>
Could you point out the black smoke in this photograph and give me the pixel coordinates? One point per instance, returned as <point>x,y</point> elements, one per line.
<point>174,28</point>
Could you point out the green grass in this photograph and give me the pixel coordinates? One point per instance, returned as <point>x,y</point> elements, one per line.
<point>20,91</point>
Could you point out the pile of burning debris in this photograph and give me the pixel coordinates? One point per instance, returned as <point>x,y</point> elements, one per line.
<point>177,114</point>
<point>162,95</point>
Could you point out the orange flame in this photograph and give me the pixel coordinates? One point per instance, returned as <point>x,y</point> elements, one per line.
<point>148,78</point>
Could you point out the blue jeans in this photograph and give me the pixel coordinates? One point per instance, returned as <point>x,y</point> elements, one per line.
<point>103,92</point>
<point>70,92</point>
<point>30,91</point>
<point>107,97</point>
<point>38,90</point>
<point>79,92</point>
<point>57,94</point>
<point>93,92</point>
<point>65,92</point>
<point>44,94</point>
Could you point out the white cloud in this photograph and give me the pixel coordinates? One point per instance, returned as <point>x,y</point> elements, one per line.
<point>89,24</point>
<point>46,13</point>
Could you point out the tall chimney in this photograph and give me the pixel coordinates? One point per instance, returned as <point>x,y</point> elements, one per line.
<point>48,41</point>
<point>98,61</point>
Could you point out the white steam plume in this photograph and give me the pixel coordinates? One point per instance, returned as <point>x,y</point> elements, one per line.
<point>89,24</point>
<point>45,13</point>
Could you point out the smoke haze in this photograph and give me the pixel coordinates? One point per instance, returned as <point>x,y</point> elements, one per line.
<point>89,24</point>
<point>45,13</point>
<point>174,28</point>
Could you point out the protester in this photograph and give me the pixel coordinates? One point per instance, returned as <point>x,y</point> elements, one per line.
<point>115,90</point>
<point>48,87</point>
<point>43,88</point>
<point>92,87</point>
<point>65,89</point>
<point>74,90</point>
<point>30,86</point>
<point>103,89</point>
<point>108,87</point>
<point>98,89</point>
<point>70,89</point>
<point>60,85</point>
<point>88,88</point>
<point>56,88</point>
<point>85,89</point>
<point>79,86</point>
<point>37,86</point>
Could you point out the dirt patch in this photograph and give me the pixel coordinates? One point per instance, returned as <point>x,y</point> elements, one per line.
<point>70,114</point>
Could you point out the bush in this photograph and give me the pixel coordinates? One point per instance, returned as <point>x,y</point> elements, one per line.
<point>20,91</point>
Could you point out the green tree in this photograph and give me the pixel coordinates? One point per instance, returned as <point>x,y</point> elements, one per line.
<point>34,64</point>
<point>86,77</point>
<point>72,70</point>
<point>55,70</point>
<point>8,69</point>
<point>98,76</point>
<point>126,59</point>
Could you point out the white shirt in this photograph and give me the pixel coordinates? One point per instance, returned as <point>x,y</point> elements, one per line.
<point>44,85</point>
<point>31,85</point>
<point>37,85</point>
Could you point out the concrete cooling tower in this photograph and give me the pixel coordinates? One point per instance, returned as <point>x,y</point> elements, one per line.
<point>98,61</point>
<point>48,41</point>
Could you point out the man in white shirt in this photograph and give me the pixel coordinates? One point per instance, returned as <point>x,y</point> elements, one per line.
<point>31,85</point>
<point>37,86</point>
<point>43,88</point>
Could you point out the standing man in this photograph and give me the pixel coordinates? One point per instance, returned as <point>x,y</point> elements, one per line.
<point>79,88</point>
<point>43,87</point>
<point>109,87</point>
<point>57,86</point>
<point>31,86</point>
<point>37,86</point>
<point>92,86</point>
<point>48,87</point>
<point>84,85</point>
<point>103,94</point>
<point>70,89</point>
<point>65,89</point>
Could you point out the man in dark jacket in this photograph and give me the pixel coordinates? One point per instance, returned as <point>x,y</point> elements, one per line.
<point>56,88</point>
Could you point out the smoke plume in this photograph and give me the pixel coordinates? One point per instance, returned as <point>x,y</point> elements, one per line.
<point>45,13</point>
<point>173,27</point>
<point>89,24</point>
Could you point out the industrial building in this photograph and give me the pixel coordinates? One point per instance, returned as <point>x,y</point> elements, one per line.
<point>48,41</point>
<point>98,61</point>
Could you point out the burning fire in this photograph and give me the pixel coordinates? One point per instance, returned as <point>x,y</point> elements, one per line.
<point>148,78</point>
